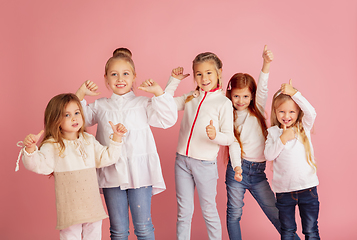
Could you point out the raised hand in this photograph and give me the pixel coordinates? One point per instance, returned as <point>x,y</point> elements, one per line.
<point>288,89</point>
<point>178,73</point>
<point>238,174</point>
<point>288,134</point>
<point>118,131</point>
<point>88,88</point>
<point>211,130</point>
<point>267,55</point>
<point>152,87</point>
<point>31,140</point>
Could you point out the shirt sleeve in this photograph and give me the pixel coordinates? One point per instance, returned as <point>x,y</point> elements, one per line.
<point>273,144</point>
<point>171,87</point>
<point>225,135</point>
<point>162,111</point>
<point>235,154</point>
<point>309,111</point>
<point>40,161</point>
<point>89,113</point>
<point>105,156</point>
<point>262,92</point>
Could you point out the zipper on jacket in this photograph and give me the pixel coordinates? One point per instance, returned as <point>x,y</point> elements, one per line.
<point>194,122</point>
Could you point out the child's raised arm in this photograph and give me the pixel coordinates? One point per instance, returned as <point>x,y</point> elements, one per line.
<point>178,73</point>
<point>268,58</point>
<point>88,88</point>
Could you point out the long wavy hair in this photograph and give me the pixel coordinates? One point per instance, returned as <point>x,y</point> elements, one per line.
<point>54,114</point>
<point>279,99</point>
<point>241,81</point>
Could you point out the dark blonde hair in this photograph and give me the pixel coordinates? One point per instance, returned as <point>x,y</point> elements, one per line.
<point>241,81</point>
<point>122,50</point>
<point>205,57</point>
<point>54,114</point>
<point>278,99</point>
<point>121,55</point>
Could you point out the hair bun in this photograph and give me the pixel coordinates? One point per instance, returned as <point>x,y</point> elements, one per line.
<point>122,51</point>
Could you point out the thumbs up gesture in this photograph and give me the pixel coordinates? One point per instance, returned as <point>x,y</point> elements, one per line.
<point>178,73</point>
<point>267,55</point>
<point>118,131</point>
<point>288,89</point>
<point>31,141</point>
<point>288,134</point>
<point>211,130</point>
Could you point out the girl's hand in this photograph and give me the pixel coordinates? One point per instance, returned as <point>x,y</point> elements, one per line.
<point>31,141</point>
<point>288,89</point>
<point>118,131</point>
<point>152,87</point>
<point>267,55</point>
<point>88,88</point>
<point>238,174</point>
<point>211,130</point>
<point>178,73</point>
<point>288,134</point>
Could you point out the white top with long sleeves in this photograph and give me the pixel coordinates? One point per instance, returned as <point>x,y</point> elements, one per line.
<point>137,114</point>
<point>291,169</point>
<point>77,194</point>
<point>251,135</point>
<point>193,140</point>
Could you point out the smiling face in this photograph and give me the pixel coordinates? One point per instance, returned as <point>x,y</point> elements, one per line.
<point>206,75</point>
<point>287,113</point>
<point>241,98</point>
<point>120,76</point>
<point>72,121</point>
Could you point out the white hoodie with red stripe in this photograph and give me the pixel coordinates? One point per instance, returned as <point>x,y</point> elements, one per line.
<point>214,105</point>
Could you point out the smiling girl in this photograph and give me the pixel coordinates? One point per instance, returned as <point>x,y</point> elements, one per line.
<point>206,124</point>
<point>137,113</point>
<point>289,146</point>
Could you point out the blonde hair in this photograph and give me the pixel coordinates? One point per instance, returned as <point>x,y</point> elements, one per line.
<point>205,57</point>
<point>54,114</point>
<point>278,99</point>
<point>241,81</point>
<point>122,50</point>
<point>120,55</point>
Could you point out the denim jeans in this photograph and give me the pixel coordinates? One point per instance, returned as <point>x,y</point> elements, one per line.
<point>308,203</point>
<point>254,180</point>
<point>191,173</point>
<point>118,202</point>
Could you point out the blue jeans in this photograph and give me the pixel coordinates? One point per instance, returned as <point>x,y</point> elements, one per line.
<point>118,202</point>
<point>192,173</point>
<point>308,203</point>
<point>254,180</point>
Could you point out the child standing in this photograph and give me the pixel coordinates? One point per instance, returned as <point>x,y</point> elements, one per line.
<point>137,113</point>
<point>206,124</point>
<point>289,145</point>
<point>246,167</point>
<point>72,156</point>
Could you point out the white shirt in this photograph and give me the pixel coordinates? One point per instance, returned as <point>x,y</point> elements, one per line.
<point>137,114</point>
<point>193,140</point>
<point>291,169</point>
<point>251,135</point>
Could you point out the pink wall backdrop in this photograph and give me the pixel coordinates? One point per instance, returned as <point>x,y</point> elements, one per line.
<point>51,47</point>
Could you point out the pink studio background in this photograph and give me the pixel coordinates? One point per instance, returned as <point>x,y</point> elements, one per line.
<point>51,47</point>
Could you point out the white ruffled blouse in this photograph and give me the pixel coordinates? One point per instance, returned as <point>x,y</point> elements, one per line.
<point>137,114</point>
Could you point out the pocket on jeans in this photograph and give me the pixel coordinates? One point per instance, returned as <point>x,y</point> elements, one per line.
<point>279,195</point>
<point>313,192</point>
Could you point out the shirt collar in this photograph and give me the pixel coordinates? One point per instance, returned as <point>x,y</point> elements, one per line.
<point>128,95</point>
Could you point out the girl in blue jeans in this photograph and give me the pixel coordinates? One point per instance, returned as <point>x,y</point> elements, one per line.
<point>143,169</point>
<point>289,146</point>
<point>246,167</point>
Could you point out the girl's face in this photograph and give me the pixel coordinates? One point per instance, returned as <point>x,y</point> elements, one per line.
<point>241,98</point>
<point>287,113</point>
<point>120,76</point>
<point>206,75</point>
<point>72,121</point>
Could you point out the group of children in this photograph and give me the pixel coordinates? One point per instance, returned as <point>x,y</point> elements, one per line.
<point>123,162</point>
